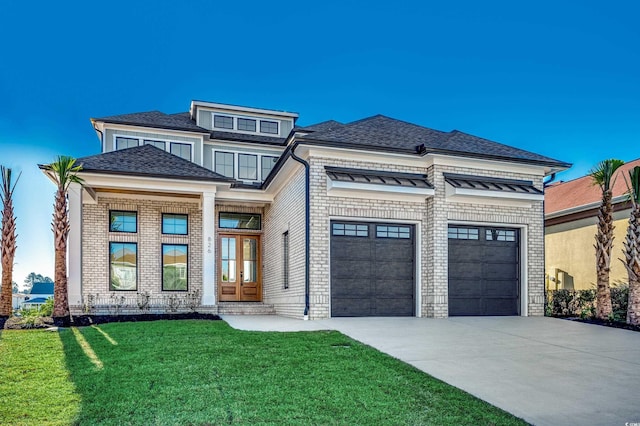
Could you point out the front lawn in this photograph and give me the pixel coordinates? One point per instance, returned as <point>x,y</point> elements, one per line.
<point>204,373</point>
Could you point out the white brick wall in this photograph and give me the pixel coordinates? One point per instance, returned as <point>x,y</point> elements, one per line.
<point>96,238</point>
<point>287,212</point>
<point>433,215</point>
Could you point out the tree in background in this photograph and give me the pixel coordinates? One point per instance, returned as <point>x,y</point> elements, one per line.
<point>35,278</point>
<point>603,176</point>
<point>7,240</point>
<point>63,172</point>
<point>14,287</point>
<point>632,248</point>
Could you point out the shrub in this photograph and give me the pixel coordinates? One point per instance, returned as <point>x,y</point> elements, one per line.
<point>46,310</point>
<point>582,303</point>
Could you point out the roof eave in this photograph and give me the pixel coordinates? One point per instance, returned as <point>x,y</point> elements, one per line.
<point>150,125</point>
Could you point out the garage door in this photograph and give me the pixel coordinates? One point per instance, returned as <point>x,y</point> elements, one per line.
<point>484,271</point>
<point>372,269</point>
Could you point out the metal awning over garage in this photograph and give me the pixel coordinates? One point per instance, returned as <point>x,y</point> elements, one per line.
<point>488,190</point>
<point>376,184</point>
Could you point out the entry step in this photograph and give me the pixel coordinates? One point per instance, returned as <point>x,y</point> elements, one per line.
<point>245,308</point>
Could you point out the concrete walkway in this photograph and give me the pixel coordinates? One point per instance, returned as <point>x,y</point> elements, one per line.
<point>544,370</point>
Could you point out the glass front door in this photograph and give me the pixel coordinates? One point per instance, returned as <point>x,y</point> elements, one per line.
<point>239,271</point>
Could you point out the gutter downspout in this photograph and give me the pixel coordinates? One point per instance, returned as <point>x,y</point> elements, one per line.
<point>101,137</point>
<point>307,220</point>
<point>551,179</point>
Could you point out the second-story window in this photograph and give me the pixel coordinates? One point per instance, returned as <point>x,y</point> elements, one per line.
<point>246,124</point>
<point>247,166</point>
<point>181,150</point>
<point>222,122</point>
<point>120,221</point>
<point>122,142</point>
<point>267,164</point>
<point>224,163</point>
<point>175,224</point>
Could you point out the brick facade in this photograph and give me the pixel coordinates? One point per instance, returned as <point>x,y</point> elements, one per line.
<point>149,239</point>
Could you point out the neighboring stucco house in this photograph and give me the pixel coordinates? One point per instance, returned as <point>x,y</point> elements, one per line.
<point>377,217</point>
<point>571,212</point>
<point>38,295</point>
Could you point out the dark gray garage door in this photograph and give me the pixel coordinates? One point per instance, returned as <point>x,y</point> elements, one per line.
<point>484,271</point>
<point>372,269</point>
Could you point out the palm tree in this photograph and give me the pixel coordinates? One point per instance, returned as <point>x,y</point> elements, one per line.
<point>7,240</point>
<point>63,172</point>
<point>603,176</point>
<point>632,248</point>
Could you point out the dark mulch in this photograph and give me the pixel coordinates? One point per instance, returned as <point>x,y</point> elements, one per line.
<point>613,324</point>
<point>85,320</point>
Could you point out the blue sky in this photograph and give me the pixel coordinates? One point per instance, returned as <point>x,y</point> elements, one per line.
<point>560,78</point>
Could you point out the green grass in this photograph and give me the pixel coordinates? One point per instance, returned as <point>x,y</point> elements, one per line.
<point>206,373</point>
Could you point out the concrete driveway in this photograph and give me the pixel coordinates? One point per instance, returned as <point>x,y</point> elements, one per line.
<point>544,370</point>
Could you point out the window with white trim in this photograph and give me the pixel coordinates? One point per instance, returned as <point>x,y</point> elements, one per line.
<point>247,166</point>
<point>269,127</point>
<point>182,150</point>
<point>222,122</point>
<point>124,142</point>
<point>224,163</point>
<point>246,124</point>
<point>158,144</point>
<point>267,163</point>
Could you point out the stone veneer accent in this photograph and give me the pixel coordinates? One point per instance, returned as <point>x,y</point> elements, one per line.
<point>96,238</point>
<point>433,216</point>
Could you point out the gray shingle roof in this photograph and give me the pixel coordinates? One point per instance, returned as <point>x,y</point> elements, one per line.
<point>383,132</point>
<point>320,127</point>
<point>147,160</point>
<point>491,184</point>
<point>179,121</point>
<point>377,177</point>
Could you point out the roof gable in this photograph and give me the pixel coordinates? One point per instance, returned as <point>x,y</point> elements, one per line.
<point>149,161</point>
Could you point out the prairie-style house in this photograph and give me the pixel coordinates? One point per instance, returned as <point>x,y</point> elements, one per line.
<point>245,210</point>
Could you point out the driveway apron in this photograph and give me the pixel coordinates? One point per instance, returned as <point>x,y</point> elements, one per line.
<point>547,371</point>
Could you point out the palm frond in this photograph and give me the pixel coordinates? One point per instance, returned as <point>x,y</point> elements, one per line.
<point>603,173</point>
<point>7,188</point>
<point>633,185</point>
<point>64,172</point>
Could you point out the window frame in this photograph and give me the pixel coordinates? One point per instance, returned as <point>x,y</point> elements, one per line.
<point>477,233</point>
<point>186,218</point>
<point>259,228</point>
<point>111,269</point>
<point>262,157</point>
<point>115,141</point>
<point>277,123</point>
<point>111,212</point>
<point>255,124</point>
<point>213,121</point>
<point>172,143</point>
<point>167,143</point>
<point>358,231</point>
<point>146,142</point>
<point>162,266</point>
<point>396,235</point>
<point>256,156</point>
<point>236,162</point>
<point>233,164</point>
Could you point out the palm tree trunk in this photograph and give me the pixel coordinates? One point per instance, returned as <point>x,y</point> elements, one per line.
<point>8,251</point>
<point>604,243</point>
<point>632,254</point>
<point>60,232</point>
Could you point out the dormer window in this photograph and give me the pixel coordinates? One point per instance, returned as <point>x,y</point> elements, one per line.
<point>222,122</point>
<point>246,124</point>
<point>122,142</point>
<point>269,127</point>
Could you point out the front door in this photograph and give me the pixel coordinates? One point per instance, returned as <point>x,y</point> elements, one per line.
<point>239,272</point>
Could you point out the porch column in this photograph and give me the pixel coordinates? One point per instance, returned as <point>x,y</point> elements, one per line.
<point>74,245</point>
<point>208,249</point>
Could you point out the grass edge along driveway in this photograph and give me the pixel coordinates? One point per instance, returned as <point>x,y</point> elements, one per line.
<point>194,372</point>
